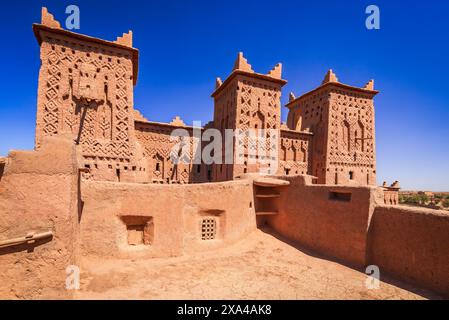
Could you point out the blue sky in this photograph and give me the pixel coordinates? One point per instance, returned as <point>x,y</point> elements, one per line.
<point>185,45</point>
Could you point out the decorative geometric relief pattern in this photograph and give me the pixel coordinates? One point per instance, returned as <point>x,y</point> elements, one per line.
<point>294,154</point>
<point>52,103</point>
<point>87,92</point>
<point>158,148</point>
<point>352,131</point>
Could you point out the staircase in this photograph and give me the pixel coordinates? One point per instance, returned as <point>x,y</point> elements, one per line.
<point>267,193</point>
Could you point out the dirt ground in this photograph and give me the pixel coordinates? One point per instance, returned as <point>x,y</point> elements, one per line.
<point>258,267</point>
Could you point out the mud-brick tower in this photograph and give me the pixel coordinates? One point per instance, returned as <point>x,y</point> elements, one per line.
<point>341,117</point>
<point>246,100</point>
<point>86,93</point>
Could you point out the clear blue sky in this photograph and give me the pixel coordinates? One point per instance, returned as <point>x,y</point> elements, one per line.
<point>186,44</point>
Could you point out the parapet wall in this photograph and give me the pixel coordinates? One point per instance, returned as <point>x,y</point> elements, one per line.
<point>38,194</point>
<point>352,225</point>
<point>171,219</point>
<point>411,244</point>
<point>332,220</point>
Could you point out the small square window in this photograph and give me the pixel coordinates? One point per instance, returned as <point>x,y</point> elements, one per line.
<point>139,230</point>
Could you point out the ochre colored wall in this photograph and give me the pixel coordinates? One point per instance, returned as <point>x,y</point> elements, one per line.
<point>411,244</point>
<point>335,228</point>
<point>176,211</point>
<point>38,193</point>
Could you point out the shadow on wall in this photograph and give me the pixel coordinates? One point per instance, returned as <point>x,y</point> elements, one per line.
<point>28,247</point>
<point>329,219</point>
<point>2,169</point>
<point>352,225</point>
<point>385,278</point>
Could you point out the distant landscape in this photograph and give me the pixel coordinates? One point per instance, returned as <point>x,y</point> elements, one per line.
<point>425,199</point>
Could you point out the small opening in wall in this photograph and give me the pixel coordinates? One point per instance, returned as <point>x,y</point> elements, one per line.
<point>208,229</point>
<point>351,175</point>
<point>209,174</point>
<point>287,172</point>
<point>158,166</point>
<point>117,173</point>
<point>139,229</point>
<point>2,169</point>
<point>340,196</point>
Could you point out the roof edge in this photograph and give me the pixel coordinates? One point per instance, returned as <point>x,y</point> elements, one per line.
<point>37,27</point>
<point>330,84</point>
<point>236,72</point>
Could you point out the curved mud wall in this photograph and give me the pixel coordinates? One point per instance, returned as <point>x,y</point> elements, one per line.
<point>333,220</point>
<point>411,244</point>
<point>171,217</point>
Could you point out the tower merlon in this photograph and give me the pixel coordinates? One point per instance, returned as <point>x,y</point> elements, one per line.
<point>50,27</point>
<point>242,64</point>
<point>49,20</point>
<point>369,85</point>
<point>242,67</point>
<point>177,121</point>
<point>276,72</point>
<point>291,97</point>
<point>330,77</point>
<point>126,39</point>
<point>331,80</point>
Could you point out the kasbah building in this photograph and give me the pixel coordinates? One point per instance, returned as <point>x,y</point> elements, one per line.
<point>100,184</point>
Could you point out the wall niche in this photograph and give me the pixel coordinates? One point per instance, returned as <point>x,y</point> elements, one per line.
<point>139,230</point>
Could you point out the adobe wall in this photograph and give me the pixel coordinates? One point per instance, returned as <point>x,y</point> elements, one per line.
<point>38,193</point>
<point>411,244</point>
<point>175,213</point>
<point>315,217</point>
<point>295,153</point>
<point>157,146</point>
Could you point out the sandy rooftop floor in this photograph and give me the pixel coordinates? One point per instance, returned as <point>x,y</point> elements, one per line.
<point>258,267</point>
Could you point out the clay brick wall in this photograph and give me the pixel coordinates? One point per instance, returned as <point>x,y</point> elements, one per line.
<point>175,211</point>
<point>157,147</point>
<point>38,193</point>
<point>411,244</point>
<point>246,100</point>
<point>341,118</point>
<point>86,90</point>
<point>295,153</point>
<point>332,220</point>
